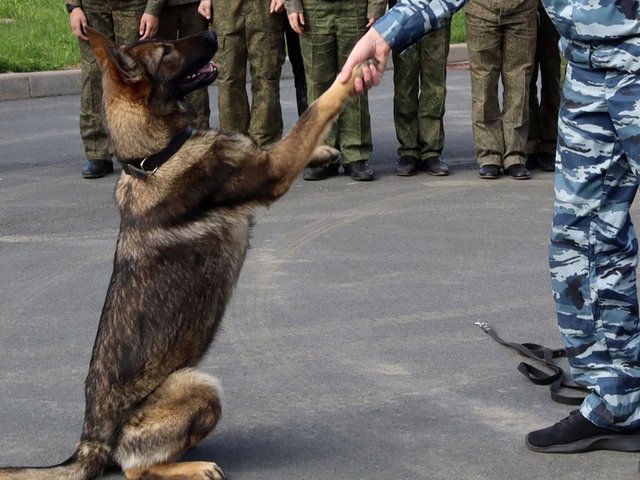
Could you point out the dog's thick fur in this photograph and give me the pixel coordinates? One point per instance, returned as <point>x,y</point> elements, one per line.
<point>183,236</point>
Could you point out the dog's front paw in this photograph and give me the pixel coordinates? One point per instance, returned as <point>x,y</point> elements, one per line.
<point>346,90</point>
<point>323,156</point>
<point>355,73</point>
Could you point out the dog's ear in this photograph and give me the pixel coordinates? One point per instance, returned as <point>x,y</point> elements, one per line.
<point>111,59</point>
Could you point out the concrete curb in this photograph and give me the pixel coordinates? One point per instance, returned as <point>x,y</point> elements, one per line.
<point>21,86</point>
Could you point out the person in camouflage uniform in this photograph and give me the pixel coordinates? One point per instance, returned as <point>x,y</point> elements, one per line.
<point>593,254</point>
<point>419,93</point>
<point>123,22</point>
<point>247,31</point>
<point>180,18</point>
<point>594,249</point>
<point>501,39</point>
<point>328,30</point>
<point>543,108</point>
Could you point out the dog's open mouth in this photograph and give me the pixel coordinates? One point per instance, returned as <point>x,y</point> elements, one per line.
<point>202,78</point>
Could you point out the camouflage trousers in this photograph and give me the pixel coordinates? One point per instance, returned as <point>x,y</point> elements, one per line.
<point>120,21</point>
<point>543,108</point>
<point>248,33</point>
<point>179,21</point>
<point>594,250</point>
<point>500,50</point>
<point>332,29</point>
<point>419,92</point>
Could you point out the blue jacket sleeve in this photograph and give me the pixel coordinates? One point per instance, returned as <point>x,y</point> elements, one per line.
<point>410,20</point>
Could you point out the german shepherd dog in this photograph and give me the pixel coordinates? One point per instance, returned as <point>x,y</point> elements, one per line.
<point>187,200</point>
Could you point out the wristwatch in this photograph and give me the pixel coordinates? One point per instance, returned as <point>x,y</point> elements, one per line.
<point>71,6</point>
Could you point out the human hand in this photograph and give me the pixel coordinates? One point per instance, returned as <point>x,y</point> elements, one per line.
<point>206,9</point>
<point>370,22</point>
<point>276,6</point>
<point>296,20</point>
<point>371,48</point>
<point>78,21</point>
<point>148,26</point>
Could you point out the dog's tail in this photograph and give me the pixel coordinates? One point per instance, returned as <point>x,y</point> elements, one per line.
<point>87,462</point>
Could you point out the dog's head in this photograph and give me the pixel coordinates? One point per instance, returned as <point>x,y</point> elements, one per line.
<point>175,67</point>
<point>148,80</point>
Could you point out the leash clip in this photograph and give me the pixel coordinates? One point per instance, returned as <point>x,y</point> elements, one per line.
<point>139,172</point>
<point>483,325</point>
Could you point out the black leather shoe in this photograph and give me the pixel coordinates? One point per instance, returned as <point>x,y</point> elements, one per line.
<point>547,162</point>
<point>97,168</point>
<point>518,172</point>
<point>407,166</point>
<point>435,166</point>
<point>321,173</point>
<point>359,171</point>
<point>532,161</point>
<point>490,171</point>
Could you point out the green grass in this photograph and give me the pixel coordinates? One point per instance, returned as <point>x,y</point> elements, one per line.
<point>38,37</point>
<point>458,34</point>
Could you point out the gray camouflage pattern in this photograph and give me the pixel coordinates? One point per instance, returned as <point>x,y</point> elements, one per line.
<point>410,20</point>
<point>593,251</point>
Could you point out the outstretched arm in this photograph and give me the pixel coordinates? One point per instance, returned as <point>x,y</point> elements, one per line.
<point>399,29</point>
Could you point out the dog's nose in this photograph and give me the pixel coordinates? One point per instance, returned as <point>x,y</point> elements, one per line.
<point>211,36</point>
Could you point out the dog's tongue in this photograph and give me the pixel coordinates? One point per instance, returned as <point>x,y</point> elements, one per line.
<point>208,68</point>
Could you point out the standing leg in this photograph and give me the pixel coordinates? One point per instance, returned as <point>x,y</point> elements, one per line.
<point>406,85</point>
<point>354,123</point>
<point>593,260</point>
<point>484,42</point>
<point>233,101</point>
<point>433,93</point>
<point>93,131</point>
<point>518,51</point>
<point>265,46</point>
<point>550,73</point>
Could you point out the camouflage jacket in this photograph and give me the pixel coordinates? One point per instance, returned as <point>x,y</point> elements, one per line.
<point>410,20</point>
<point>598,34</point>
<point>375,8</point>
<point>595,34</point>
<point>154,7</point>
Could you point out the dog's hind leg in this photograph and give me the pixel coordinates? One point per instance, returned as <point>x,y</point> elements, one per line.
<point>175,417</point>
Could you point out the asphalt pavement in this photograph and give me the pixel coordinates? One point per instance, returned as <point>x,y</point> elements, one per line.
<point>349,349</point>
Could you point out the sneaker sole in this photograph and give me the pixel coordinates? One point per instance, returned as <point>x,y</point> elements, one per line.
<point>617,443</point>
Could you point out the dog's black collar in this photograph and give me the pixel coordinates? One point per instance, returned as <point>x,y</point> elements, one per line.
<point>145,167</point>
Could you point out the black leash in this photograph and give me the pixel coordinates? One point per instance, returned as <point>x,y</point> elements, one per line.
<point>558,380</point>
